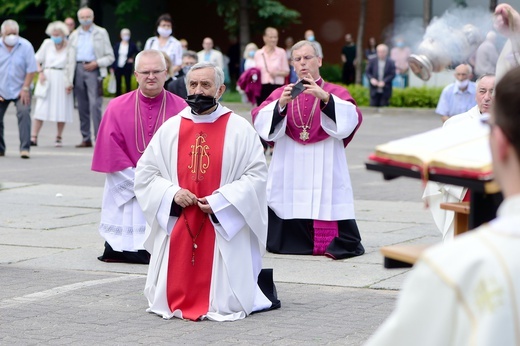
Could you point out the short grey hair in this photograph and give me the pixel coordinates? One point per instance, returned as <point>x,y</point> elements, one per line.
<point>219,74</point>
<point>302,43</point>
<point>191,54</point>
<point>9,23</point>
<point>479,79</point>
<point>57,25</point>
<point>91,11</point>
<point>150,52</point>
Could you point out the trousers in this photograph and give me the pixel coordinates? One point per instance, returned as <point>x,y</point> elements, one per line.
<point>23,113</point>
<point>89,94</point>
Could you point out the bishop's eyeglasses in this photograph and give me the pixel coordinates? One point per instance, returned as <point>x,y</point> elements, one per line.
<point>153,73</point>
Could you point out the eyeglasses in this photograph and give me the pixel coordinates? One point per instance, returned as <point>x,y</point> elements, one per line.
<point>306,58</point>
<point>147,73</point>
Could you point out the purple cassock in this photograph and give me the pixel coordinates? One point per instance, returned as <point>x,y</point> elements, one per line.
<point>128,125</point>
<point>310,200</point>
<point>306,104</point>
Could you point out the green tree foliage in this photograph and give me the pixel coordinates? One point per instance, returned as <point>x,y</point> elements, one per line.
<point>54,9</point>
<point>262,13</point>
<point>59,9</point>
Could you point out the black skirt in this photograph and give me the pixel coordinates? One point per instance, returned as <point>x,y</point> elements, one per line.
<point>296,237</point>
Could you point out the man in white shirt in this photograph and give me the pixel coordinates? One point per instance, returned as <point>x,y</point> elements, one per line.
<point>209,54</point>
<point>459,96</point>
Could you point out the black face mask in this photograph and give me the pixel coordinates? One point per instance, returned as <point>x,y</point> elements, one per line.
<point>200,103</point>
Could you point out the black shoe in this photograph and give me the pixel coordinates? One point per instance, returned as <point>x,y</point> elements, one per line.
<point>34,141</point>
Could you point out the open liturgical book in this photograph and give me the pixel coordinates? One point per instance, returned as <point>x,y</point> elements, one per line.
<point>460,150</point>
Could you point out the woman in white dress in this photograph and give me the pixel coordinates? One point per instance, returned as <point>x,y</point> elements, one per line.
<point>56,72</point>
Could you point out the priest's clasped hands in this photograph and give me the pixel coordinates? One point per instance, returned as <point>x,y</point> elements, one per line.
<point>185,198</point>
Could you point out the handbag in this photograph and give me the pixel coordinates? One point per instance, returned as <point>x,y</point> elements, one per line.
<point>40,90</point>
<point>111,87</point>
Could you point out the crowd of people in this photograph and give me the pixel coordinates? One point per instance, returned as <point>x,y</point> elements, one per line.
<point>189,192</point>
<point>384,69</point>
<point>71,66</point>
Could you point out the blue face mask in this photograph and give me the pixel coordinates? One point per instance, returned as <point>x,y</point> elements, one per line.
<point>57,39</point>
<point>252,53</point>
<point>86,22</point>
<point>310,38</point>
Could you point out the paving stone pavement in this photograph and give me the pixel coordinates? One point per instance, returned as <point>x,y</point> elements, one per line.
<point>54,290</point>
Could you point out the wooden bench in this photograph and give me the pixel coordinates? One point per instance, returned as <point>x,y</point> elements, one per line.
<point>461,220</point>
<point>405,256</point>
<point>402,256</point>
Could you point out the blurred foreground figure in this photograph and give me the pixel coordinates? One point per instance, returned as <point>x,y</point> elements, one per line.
<point>467,292</point>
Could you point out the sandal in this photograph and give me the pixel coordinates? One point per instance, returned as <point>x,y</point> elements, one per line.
<point>58,142</point>
<point>34,141</point>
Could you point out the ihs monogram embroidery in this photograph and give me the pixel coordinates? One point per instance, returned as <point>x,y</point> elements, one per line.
<point>199,157</point>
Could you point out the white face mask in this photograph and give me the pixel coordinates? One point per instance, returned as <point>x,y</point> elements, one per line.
<point>125,37</point>
<point>462,84</point>
<point>164,32</point>
<point>11,40</point>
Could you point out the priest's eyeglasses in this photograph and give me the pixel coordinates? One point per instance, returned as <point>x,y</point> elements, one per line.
<point>153,73</point>
<point>306,58</point>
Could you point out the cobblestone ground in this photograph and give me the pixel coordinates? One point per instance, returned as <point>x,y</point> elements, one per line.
<point>55,291</point>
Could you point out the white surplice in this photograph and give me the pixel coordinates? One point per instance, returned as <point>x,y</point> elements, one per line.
<point>122,221</point>
<point>466,292</point>
<point>239,204</point>
<point>437,193</point>
<point>295,168</point>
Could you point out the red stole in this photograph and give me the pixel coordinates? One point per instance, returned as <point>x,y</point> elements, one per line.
<point>199,167</point>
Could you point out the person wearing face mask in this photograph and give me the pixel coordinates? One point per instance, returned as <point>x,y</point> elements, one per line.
<point>459,96</point>
<point>309,36</point>
<point>164,41</point>
<point>124,52</point>
<point>17,68</point>
<point>57,71</point>
<point>249,56</point>
<point>178,85</point>
<point>128,125</point>
<point>201,183</point>
<point>400,54</point>
<point>93,53</point>
<point>248,84</point>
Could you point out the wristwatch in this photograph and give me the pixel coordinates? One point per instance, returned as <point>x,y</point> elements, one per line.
<point>25,88</point>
